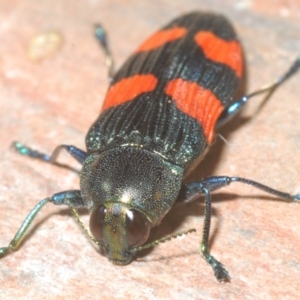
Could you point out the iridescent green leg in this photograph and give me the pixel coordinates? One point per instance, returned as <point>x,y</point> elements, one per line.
<point>15,242</point>
<point>70,198</point>
<point>220,272</point>
<point>192,189</point>
<point>78,154</point>
<point>236,106</point>
<point>102,39</point>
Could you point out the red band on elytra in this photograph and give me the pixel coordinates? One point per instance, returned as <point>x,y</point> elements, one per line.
<point>221,51</point>
<point>129,88</point>
<point>162,37</point>
<point>197,102</point>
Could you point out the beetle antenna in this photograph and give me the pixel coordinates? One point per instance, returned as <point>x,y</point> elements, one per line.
<point>86,231</point>
<point>164,239</point>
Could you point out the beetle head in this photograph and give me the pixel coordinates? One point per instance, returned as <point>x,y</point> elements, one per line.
<point>128,191</point>
<point>119,229</point>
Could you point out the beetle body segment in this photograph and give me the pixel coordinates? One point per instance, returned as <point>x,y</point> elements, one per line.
<point>134,177</point>
<point>129,190</point>
<point>157,120</point>
<point>168,95</point>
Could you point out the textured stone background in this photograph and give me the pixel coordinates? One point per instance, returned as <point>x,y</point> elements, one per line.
<point>55,100</point>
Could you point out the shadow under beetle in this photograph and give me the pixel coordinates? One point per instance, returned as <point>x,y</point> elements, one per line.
<point>159,117</point>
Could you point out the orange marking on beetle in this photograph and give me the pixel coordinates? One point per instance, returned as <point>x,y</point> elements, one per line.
<point>162,37</point>
<point>221,51</point>
<point>129,88</point>
<point>197,102</point>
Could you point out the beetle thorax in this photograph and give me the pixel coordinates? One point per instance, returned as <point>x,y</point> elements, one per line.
<point>133,176</point>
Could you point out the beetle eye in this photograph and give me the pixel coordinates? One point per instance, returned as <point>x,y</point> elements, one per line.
<point>96,222</point>
<point>138,228</point>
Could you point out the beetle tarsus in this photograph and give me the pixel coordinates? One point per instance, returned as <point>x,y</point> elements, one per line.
<point>75,152</point>
<point>220,272</point>
<point>4,251</point>
<point>27,151</point>
<point>296,198</point>
<point>102,39</point>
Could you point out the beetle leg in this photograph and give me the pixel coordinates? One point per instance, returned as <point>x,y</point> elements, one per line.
<point>78,154</point>
<point>193,189</point>
<point>71,198</point>
<point>188,193</point>
<point>102,39</point>
<point>235,107</point>
<point>74,200</point>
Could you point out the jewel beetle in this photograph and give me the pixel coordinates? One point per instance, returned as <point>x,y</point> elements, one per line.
<point>158,120</point>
